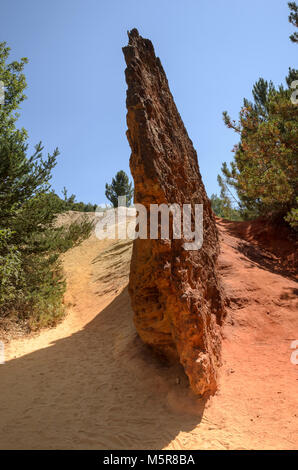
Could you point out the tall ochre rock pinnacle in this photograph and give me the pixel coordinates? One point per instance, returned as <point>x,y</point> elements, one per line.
<point>175,293</point>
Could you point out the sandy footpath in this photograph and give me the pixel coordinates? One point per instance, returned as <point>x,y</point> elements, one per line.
<point>90,383</point>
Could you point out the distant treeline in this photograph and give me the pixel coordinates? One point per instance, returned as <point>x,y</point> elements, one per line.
<point>69,203</point>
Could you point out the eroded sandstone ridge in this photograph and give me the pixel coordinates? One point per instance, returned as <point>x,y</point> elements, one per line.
<point>175,293</point>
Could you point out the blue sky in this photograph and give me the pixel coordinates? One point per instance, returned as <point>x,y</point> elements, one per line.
<point>212,52</point>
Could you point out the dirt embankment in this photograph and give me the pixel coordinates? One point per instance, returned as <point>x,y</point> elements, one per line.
<point>91,383</point>
<point>271,244</point>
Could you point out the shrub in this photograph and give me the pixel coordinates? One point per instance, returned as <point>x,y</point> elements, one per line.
<point>31,278</point>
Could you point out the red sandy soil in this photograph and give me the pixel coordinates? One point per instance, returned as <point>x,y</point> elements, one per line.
<point>90,382</point>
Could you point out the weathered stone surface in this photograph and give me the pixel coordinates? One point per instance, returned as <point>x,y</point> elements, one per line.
<point>175,293</point>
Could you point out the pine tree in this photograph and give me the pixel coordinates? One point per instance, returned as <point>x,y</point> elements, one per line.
<point>222,206</point>
<point>120,186</point>
<point>293,19</point>
<point>31,283</point>
<point>264,172</point>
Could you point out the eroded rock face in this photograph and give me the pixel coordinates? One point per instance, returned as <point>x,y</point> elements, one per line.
<point>175,293</point>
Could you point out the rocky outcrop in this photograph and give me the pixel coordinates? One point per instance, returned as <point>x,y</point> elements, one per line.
<point>175,293</point>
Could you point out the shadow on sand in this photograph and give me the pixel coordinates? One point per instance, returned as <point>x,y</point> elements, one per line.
<point>257,254</point>
<point>97,389</point>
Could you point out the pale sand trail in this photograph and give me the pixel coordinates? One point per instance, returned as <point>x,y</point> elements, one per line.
<point>90,383</point>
